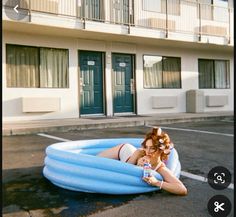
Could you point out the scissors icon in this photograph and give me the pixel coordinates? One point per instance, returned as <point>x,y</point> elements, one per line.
<point>219,178</point>
<point>218,206</point>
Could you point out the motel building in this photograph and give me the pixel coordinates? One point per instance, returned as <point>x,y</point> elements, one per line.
<point>78,58</point>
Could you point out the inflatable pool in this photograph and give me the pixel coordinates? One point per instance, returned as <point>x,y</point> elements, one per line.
<point>74,165</point>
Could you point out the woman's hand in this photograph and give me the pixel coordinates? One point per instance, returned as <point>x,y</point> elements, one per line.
<point>151,180</point>
<point>140,153</point>
<point>142,160</point>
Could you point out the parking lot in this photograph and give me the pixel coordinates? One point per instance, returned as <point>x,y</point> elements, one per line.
<point>201,146</point>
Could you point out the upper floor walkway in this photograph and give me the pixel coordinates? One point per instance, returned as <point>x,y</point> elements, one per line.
<point>181,20</point>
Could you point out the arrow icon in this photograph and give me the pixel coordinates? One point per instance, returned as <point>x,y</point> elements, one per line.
<point>19,9</point>
<point>15,8</point>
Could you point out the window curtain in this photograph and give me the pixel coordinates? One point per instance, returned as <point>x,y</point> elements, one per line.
<point>213,74</point>
<point>79,9</point>
<point>221,78</point>
<point>162,72</point>
<point>173,7</point>
<point>102,10</point>
<point>159,6</point>
<point>206,9</point>
<point>152,72</point>
<point>154,5</point>
<point>206,74</point>
<point>221,10</point>
<point>91,9</point>
<point>50,6</point>
<point>171,72</point>
<point>125,12</point>
<point>22,66</point>
<point>53,68</point>
<point>120,11</point>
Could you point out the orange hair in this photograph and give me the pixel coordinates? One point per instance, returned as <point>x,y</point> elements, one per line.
<point>160,140</point>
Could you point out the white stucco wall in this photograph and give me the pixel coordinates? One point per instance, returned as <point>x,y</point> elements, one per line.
<point>69,97</point>
<point>12,106</point>
<point>189,75</point>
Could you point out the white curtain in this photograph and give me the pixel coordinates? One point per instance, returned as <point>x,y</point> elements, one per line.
<point>53,67</point>
<point>173,7</point>
<point>159,6</point>
<point>22,66</point>
<point>152,72</point>
<point>221,74</point>
<point>206,9</point>
<point>213,74</point>
<point>162,72</point>
<point>171,72</point>
<point>206,74</point>
<point>36,67</point>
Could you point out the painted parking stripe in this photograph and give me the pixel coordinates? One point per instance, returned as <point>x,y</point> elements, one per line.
<point>228,121</point>
<point>183,173</point>
<point>53,137</point>
<point>199,178</point>
<point>198,131</point>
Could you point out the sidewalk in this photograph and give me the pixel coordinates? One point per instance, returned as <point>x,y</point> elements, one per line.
<point>64,125</point>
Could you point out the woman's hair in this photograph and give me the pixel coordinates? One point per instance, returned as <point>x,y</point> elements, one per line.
<point>160,140</point>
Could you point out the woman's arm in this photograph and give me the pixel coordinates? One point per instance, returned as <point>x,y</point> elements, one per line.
<point>170,182</point>
<point>136,155</point>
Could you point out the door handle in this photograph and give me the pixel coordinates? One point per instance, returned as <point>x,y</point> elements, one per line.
<point>132,86</point>
<point>81,85</point>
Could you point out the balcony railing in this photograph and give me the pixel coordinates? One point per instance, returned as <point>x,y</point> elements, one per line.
<point>177,16</point>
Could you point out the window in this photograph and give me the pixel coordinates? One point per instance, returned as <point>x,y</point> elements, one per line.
<point>214,10</point>
<point>159,6</point>
<point>162,72</point>
<point>36,67</point>
<point>213,73</point>
<point>120,11</point>
<point>221,12</point>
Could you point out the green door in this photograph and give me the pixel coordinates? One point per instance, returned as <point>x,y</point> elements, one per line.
<point>91,82</point>
<point>123,83</point>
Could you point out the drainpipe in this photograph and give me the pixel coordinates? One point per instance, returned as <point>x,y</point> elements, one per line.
<point>229,27</point>
<point>166,20</point>
<point>199,16</point>
<point>129,13</point>
<point>77,12</point>
<point>83,12</point>
<point>30,11</point>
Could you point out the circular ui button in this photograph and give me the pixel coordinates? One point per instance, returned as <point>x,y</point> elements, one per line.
<point>219,206</point>
<point>219,178</point>
<point>16,9</point>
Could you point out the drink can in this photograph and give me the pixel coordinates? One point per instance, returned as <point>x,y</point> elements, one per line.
<point>147,170</point>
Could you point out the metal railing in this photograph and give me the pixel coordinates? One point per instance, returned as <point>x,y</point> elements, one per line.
<point>176,16</point>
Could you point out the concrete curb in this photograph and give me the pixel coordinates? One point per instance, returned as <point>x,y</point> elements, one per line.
<point>53,126</point>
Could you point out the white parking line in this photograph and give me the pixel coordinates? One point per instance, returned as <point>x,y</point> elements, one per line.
<point>227,121</point>
<point>199,178</point>
<point>53,137</point>
<point>198,131</point>
<point>183,173</point>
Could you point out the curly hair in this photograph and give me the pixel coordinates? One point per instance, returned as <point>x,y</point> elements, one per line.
<point>160,140</point>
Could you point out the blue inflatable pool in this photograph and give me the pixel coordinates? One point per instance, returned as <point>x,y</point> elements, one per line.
<point>74,165</point>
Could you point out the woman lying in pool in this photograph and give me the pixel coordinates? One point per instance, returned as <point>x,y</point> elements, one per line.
<point>155,149</point>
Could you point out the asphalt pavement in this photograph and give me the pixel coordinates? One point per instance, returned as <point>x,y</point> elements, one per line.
<point>202,141</point>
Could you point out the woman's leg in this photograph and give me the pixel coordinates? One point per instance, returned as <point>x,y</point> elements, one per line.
<point>111,152</point>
